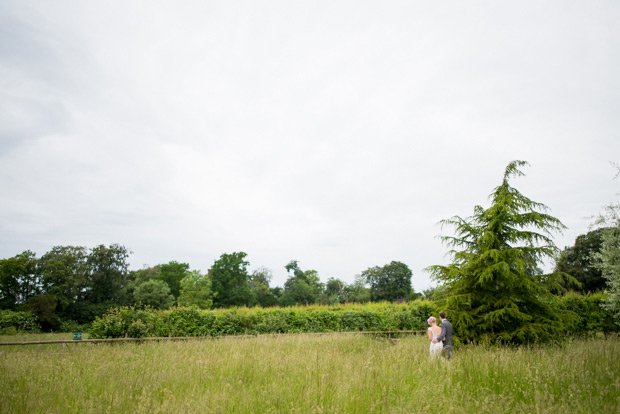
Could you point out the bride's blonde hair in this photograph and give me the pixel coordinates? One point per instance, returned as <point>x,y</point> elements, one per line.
<point>431,320</point>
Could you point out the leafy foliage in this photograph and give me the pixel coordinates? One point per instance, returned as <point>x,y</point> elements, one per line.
<point>259,285</point>
<point>229,280</point>
<point>196,290</point>
<point>64,272</point>
<point>119,322</point>
<point>68,283</point>
<point>173,273</point>
<point>585,315</point>
<point>608,259</point>
<point>357,291</point>
<point>44,307</point>
<point>390,282</point>
<point>494,289</point>
<point>12,322</point>
<point>579,262</point>
<point>609,264</point>
<point>19,280</point>
<point>302,287</point>
<point>580,315</point>
<point>334,292</point>
<point>107,273</point>
<point>154,293</point>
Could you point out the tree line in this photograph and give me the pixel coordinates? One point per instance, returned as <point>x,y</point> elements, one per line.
<point>74,284</point>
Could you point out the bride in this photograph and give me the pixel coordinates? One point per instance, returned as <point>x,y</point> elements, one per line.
<point>433,332</point>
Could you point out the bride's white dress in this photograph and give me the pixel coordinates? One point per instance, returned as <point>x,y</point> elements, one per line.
<point>435,349</point>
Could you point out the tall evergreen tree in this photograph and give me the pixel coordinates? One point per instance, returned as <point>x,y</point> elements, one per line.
<point>494,289</point>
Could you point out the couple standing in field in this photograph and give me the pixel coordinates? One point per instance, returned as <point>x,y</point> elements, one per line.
<point>440,336</point>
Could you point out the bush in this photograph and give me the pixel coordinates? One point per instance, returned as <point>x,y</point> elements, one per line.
<point>137,329</point>
<point>12,322</point>
<point>588,316</point>
<point>117,322</point>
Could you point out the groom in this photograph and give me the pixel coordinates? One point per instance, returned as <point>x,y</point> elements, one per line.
<point>446,335</point>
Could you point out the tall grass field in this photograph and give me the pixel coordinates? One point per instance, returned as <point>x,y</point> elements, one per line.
<point>304,373</point>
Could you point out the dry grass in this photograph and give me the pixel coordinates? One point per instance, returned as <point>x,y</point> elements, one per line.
<point>308,374</point>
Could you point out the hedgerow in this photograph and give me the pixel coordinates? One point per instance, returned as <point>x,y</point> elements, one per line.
<point>180,321</point>
<point>581,315</point>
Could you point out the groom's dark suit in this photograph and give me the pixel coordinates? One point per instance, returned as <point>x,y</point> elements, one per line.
<point>446,336</point>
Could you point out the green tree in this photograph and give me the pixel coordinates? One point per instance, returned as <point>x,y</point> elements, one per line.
<point>107,273</point>
<point>302,287</point>
<point>20,280</point>
<point>608,262</point>
<point>147,273</point>
<point>297,291</point>
<point>293,266</point>
<point>390,282</point>
<point>334,292</point>
<point>434,293</point>
<point>172,273</point>
<point>357,292</point>
<point>608,259</point>
<point>44,307</point>
<point>277,292</point>
<point>229,281</point>
<point>579,262</point>
<point>64,273</point>
<point>259,285</point>
<point>134,279</point>
<point>154,293</point>
<point>494,288</point>
<point>196,290</point>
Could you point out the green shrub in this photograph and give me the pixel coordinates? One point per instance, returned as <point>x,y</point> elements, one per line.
<point>585,315</point>
<point>137,329</point>
<point>12,322</point>
<point>114,324</point>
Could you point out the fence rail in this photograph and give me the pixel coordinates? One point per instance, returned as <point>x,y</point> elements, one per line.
<point>177,338</point>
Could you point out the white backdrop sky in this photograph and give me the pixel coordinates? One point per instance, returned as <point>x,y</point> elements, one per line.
<point>336,133</point>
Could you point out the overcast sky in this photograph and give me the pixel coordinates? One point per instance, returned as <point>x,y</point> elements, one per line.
<point>336,133</point>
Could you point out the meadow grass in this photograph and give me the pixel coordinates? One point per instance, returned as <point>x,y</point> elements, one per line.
<point>330,373</point>
<point>32,337</point>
